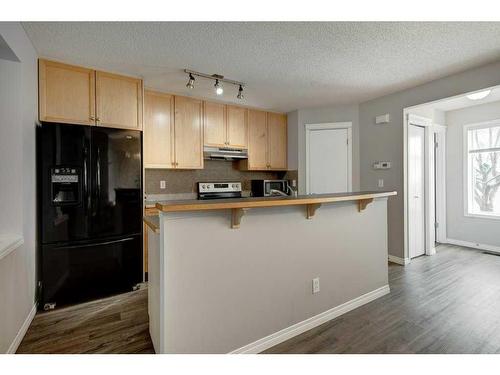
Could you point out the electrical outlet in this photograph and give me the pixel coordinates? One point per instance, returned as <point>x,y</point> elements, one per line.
<point>163,184</point>
<point>381,183</point>
<point>315,283</point>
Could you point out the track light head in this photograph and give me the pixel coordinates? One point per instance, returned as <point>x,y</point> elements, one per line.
<point>190,84</point>
<point>240,93</point>
<point>219,90</point>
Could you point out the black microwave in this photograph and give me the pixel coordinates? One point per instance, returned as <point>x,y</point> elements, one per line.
<point>267,188</point>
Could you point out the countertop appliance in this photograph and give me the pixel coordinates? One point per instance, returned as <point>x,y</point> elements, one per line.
<point>219,190</point>
<point>89,212</point>
<point>268,188</point>
<point>224,153</point>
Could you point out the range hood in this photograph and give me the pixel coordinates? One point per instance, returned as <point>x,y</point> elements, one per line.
<point>224,153</point>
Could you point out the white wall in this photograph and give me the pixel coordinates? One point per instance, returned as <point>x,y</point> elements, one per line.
<point>297,137</point>
<point>459,226</point>
<point>17,270</point>
<point>385,142</point>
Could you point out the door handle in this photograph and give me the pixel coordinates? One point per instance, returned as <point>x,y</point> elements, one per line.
<point>416,196</point>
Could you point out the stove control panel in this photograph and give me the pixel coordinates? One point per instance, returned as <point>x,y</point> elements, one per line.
<point>219,187</point>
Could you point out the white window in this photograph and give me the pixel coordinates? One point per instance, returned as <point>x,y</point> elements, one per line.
<point>482,169</point>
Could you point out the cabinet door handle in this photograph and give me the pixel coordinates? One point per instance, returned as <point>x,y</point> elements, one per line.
<point>92,118</point>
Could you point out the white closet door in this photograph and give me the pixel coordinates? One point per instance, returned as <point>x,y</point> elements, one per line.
<point>416,190</point>
<point>328,161</point>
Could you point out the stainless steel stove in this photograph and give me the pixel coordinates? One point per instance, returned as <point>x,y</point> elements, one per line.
<point>219,190</point>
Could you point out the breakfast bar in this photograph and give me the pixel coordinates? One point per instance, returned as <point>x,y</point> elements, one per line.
<point>242,275</point>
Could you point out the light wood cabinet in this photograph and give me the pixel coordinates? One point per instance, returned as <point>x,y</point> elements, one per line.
<point>267,141</point>
<point>173,131</point>
<point>237,127</point>
<point>277,140</point>
<point>215,124</point>
<point>118,101</point>
<point>225,125</point>
<point>188,133</point>
<point>75,95</point>
<point>158,135</point>
<point>257,141</point>
<point>66,93</point>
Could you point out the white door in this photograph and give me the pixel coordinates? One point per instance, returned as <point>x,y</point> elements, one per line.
<point>416,190</point>
<point>328,161</point>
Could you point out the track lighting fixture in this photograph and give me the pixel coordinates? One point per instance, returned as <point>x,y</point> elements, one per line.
<point>240,93</point>
<point>190,84</point>
<point>219,89</point>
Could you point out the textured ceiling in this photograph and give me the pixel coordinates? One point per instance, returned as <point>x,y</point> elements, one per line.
<point>285,65</point>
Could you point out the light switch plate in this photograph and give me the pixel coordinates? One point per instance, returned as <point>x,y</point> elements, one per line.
<point>381,183</point>
<point>163,184</point>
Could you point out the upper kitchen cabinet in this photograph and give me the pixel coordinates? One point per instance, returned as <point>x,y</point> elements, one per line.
<point>257,141</point>
<point>237,127</point>
<point>66,93</point>
<point>277,137</point>
<point>267,141</point>
<point>118,101</point>
<point>158,134</point>
<point>215,124</point>
<point>188,133</point>
<point>75,95</point>
<point>225,126</point>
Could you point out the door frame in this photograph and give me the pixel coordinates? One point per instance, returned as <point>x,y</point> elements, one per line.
<point>430,183</point>
<point>330,126</point>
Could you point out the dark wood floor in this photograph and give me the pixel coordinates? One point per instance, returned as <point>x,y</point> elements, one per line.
<point>447,303</point>
<point>117,324</point>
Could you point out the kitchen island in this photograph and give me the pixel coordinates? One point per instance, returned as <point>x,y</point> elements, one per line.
<point>242,275</point>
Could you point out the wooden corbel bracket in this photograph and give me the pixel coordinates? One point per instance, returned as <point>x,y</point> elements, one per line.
<point>236,215</point>
<point>311,209</point>
<point>362,203</point>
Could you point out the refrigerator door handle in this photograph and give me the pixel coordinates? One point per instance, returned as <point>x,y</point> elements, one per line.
<point>98,172</point>
<point>86,193</point>
<point>99,243</point>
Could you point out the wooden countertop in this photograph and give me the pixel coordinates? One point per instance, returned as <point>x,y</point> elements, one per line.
<point>152,221</point>
<point>254,202</point>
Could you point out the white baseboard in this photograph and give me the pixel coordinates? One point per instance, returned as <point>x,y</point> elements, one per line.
<point>398,260</point>
<point>474,245</point>
<point>22,331</point>
<point>298,328</point>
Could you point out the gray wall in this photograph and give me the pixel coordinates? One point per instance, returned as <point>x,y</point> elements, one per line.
<point>297,137</point>
<point>385,142</point>
<point>459,226</point>
<point>225,288</point>
<point>17,270</point>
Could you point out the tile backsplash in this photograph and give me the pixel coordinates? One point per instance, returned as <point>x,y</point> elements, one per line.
<point>184,181</point>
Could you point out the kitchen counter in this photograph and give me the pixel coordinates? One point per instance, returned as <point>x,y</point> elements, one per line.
<point>254,202</point>
<point>239,205</point>
<point>245,290</point>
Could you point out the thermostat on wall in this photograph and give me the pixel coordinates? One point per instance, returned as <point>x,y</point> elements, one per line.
<point>383,119</point>
<point>382,165</point>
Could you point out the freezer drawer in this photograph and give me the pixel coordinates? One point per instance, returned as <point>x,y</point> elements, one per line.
<point>78,273</point>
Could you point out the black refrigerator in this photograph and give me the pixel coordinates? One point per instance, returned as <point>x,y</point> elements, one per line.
<point>89,212</point>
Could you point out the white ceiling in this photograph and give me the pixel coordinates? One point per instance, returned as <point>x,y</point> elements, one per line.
<point>285,65</point>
